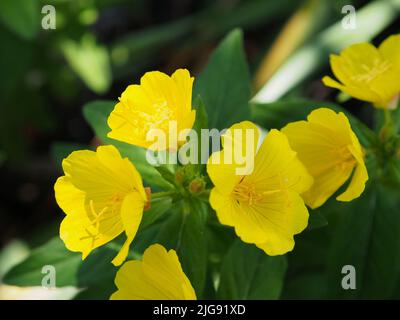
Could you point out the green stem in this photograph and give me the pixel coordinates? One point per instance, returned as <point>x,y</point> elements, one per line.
<point>205,195</point>
<point>388,117</point>
<point>164,194</point>
<point>387,128</point>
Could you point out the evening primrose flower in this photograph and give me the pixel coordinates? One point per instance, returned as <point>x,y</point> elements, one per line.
<point>158,276</point>
<point>160,102</point>
<point>265,206</point>
<point>331,152</point>
<point>102,195</point>
<point>369,73</point>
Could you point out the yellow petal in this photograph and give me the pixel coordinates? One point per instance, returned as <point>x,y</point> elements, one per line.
<point>240,135</point>
<point>77,231</point>
<point>331,124</point>
<point>280,216</point>
<point>329,82</point>
<point>184,84</point>
<point>231,212</point>
<point>223,175</point>
<point>282,223</point>
<point>390,49</point>
<point>81,234</point>
<point>171,278</point>
<point>69,198</point>
<point>325,185</point>
<point>158,276</point>
<point>281,212</point>
<point>224,207</point>
<point>131,215</point>
<point>361,93</point>
<point>128,280</point>
<point>387,86</point>
<point>354,61</point>
<point>278,167</point>
<point>125,124</point>
<point>101,172</point>
<point>226,168</point>
<point>359,179</point>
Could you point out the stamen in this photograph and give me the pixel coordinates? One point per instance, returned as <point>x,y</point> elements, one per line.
<point>99,217</point>
<point>345,158</point>
<point>371,72</point>
<point>247,192</point>
<point>143,122</point>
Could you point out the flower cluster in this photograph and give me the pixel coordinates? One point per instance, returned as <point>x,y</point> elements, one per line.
<point>292,169</point>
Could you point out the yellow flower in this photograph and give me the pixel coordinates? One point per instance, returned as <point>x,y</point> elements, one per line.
<point>265,206</point>
<point>331,152</point>
<point>158,276</point>
<point>159,102</point>
<point>102,195</point>
<point>368,73</point>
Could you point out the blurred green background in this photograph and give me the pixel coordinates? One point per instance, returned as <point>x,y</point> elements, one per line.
<point>101,46</point>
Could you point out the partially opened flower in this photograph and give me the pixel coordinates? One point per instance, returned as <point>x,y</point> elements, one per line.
<point>158,276</point>
<point>369,73</point>
<point>161,103</point>
<point>264,205</point>
<point>102,196</point>
<point>331,152</point>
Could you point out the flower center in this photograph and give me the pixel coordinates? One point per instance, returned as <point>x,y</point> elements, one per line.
<point>345,158</point>
<point>370,72</point>
<point>247,193</point>
<point>98,216</point>
<point>156,118</point>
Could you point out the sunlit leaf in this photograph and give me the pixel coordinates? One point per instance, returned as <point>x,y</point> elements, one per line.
<point>90,60</point>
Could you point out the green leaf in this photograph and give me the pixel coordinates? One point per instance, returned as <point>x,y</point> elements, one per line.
<point>278,114</point>
<point>308,262</point>
<point>185,233</point>
<point>224,84</point>
<point>29,271</point>
<point>393,169</point>
<point>219,241</point>
<point>200,123</point>
<point>316,220</point>
<point>368,238</point>
<point>248,273</point>
<point>167,171</point>
<point>90,60</point>
<point>306,286</point>
<point>158,208</point>
<point>12,254</point>
<point>96,114</point>
<point>21,16</point>
<point>69,267</point>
